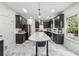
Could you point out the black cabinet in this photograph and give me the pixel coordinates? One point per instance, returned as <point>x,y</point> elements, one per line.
<point>47,24</point>
<point>23,21</point>
<point>58,38</point>
<point>20,21</point>
<point>59,21</point>
<point>1,47</point>
<point>20,38</point>
<point>56,23</point>
<point>26,35</point>
<point>36,24</point>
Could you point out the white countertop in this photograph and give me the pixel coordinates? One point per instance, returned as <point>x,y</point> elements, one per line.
<point>22,32</point>
<point>50,31</point>
<point>57,33</point>
<point>39,36</point>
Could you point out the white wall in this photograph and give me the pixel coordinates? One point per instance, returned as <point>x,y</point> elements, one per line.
<point>7,26</point>
<point>69,43</point>
<point>32,23</point>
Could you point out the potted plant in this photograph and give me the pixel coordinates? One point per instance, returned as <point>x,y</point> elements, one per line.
<point>71,27</point>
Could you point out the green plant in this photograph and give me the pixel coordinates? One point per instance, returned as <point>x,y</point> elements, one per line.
<point>72,25</point>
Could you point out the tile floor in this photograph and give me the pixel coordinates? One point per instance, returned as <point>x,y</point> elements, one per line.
<point>28,49</point>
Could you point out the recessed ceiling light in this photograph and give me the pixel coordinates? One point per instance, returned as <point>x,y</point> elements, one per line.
<point>24,10</point>
<point>53,10</point>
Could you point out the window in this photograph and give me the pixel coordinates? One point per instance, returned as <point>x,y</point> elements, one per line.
<point>72,27</point>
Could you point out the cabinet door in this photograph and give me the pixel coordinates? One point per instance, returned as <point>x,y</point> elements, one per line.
<point>61,25</point>
<point>26,36</point>
<point>59,21</point>
<point>62,19</point>
<point>56,23</point>
<point>18,22</point>
<point>19,38</point>
<point>60,38</point>
<point>49,23</point>
<point>1,48</point>
<point>23,21</point>
<point>37,24</point>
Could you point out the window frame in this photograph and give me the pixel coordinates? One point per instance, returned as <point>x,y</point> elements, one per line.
<point>67,25</point>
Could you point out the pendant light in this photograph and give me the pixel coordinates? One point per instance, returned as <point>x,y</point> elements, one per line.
<point>40,19</point>
<point>39,13</point>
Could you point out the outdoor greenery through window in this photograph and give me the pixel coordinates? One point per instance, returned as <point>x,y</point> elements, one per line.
<point>72,27</point>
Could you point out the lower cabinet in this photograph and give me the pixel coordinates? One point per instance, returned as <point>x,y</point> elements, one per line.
<point>26,35</point>
<point>1,48</point>
<point>58,38</point>
<point>20,38</point>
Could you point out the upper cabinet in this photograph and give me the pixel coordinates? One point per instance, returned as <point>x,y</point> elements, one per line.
<point>47,24</point>
<point>23,21</point>
<point>59,21</point>
<point>20,21</point>
<point>36,24</point>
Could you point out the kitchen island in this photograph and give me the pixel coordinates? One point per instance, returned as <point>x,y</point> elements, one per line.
<point>40,37</point>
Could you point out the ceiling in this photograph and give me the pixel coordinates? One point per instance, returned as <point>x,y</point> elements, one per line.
<point>32,8</point>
